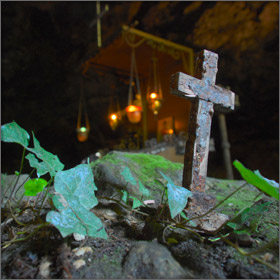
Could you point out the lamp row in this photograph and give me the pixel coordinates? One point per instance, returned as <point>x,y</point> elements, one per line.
<point>134,112</point>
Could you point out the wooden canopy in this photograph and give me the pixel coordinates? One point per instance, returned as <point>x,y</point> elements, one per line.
<point>172,58</point>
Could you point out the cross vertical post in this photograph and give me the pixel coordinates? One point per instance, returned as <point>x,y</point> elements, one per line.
<point>205,96</point>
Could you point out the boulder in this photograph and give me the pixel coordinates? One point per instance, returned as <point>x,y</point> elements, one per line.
<point>151,260</point>
<point>144,168</point>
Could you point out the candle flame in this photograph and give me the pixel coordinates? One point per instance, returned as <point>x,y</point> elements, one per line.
<point>153,95</point>
<point>113,117</point>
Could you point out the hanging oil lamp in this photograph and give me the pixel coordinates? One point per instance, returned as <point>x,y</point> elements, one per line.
<point>82,133</point>
<point>82,130</point>
<point>113,121</point>
<point>134,113</point>
<point>114,114</point>
<point>154,91</point>
<point>134,108</point>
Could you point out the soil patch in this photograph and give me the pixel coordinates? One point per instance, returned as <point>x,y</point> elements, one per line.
<point>47,255</point>
<point>140,246</point>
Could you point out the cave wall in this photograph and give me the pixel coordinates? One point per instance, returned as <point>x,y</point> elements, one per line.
<point>45,43</point>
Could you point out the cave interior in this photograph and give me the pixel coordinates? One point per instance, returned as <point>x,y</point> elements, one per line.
<point>51,53</point>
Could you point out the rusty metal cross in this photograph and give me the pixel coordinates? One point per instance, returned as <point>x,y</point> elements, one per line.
<point>205,96</point>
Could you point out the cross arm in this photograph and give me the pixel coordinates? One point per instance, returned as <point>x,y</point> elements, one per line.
<point>190,87</point>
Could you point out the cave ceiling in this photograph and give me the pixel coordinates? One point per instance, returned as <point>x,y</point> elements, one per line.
<point>45,44</point>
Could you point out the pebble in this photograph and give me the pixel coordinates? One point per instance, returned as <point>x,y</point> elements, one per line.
<point>82,251</point>
<point>44,268</point>
<point>79,263</point>
<point>267,257</point>
<point>78,237</point>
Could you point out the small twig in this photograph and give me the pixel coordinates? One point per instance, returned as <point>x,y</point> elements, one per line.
<point>201,238</point>
<point>8,243</point>
<point>14,217</point>
<point>161,211</point>
<point>29,176</point>
<point>163,233</point>
<point>190,229</point>
<point>123,205</point>
<point>250,254</point>
<point>46,193</point>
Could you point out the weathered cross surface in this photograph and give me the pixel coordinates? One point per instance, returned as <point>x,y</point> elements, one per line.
<point>205,96</point>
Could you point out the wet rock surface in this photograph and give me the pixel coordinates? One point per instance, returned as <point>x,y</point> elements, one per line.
<point>152,260</point>
<point>146,168</point>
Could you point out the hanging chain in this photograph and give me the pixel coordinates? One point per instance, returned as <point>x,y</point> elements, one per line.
<point>154,59</point>
<point>133,69</point>
<point>131,78</point>
<point>82,105</point>
<point>136,76</point>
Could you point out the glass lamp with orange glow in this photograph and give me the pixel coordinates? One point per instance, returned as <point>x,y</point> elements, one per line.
<point>82,134</point>
<point>134,113</point>
<point>154,91</point>
<point>114,112</point>
<point>114,119</point>
<point>82,131</point>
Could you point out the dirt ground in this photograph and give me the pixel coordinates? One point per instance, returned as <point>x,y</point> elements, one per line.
<point>47,255</point>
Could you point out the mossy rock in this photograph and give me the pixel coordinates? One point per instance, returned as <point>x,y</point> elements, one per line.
<point>143,167</point>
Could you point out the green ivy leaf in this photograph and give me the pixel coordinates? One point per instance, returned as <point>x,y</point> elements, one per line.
<point>51,162</point>
<point>41,167</point>
<point>136,202</point>
<point>128,176</point>
<point>234,226</point>
<point>177,196</point>
<point>33,186</point>
<point>269,187</point>
<point>177,199</point>
<point>143,189</point>
<point>13,133</point>
<point>192,223</point>
<point>124,196</point>
<point>74,198</point>
<point>167,178</point>
<point>270,182</point>
<point>248,220</point>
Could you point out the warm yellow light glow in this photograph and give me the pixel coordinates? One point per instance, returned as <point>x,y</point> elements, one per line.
<point>113,117</point>
<point>134,113</point>
<point>157,104</point>
<point>170,131</point>
<point>153,95</point>
<point>132,108</point>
